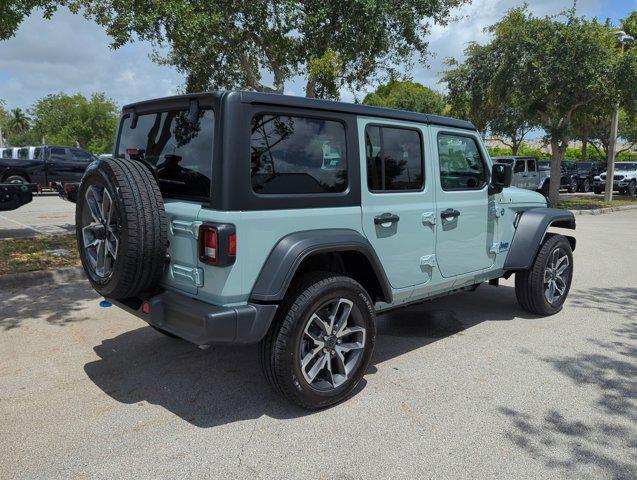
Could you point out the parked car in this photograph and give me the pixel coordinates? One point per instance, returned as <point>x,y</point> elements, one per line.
<point>527,173</point>
<point>586,173</point>
<point>624,179</point>
<point>13,196</point>
<point>56,164</point>
<point>301,219</point>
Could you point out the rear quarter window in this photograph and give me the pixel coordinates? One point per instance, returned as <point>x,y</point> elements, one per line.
<point>180,151</point>
<point>297,155</point>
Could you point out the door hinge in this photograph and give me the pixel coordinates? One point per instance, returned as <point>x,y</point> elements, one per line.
<point>428,261</point>
<point>429,218</point>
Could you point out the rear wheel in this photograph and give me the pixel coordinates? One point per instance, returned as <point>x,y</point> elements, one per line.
<point>543,288</point>
<point>321,343</point>
<point>15,179</point>
<point>597,190</point>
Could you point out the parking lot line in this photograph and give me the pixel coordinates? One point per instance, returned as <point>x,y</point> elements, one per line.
<point>41,232</point>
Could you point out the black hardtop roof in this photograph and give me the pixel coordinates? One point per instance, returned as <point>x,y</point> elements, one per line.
<point>303,102</point>
<point>513,157</point>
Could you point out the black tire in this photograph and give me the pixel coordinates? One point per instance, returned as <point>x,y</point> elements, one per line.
<point>280,350</point>
<point>139,220</point>
<point>597,191</point>
<point>529,284</point>
<point>586,186</point>
<point>15,179</point>
<point>545,189</point>
<point>572,186</point>
<point>622,191</point>
<point>630,190</point>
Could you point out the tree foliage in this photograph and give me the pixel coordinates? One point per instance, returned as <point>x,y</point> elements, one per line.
<point>407,96</point>
<point>549,68</point>
<point>68,120</point>
<point>262,44</point>
<point>472,96</point>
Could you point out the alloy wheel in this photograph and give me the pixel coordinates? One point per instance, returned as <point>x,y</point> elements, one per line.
<point>332,345</point>
<point>556,276</point>
<point>100,231</point>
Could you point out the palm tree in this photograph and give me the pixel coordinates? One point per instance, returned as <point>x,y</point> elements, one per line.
<point>18,121</point>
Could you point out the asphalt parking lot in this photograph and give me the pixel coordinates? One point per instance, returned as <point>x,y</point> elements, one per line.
<point>47,214</point>
<point>469,386</point>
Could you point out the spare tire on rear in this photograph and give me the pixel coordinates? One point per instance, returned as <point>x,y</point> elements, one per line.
<point>121,228</point>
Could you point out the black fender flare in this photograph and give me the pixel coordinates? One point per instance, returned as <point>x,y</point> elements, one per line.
<point>290,251</point>
<point>532,226</point>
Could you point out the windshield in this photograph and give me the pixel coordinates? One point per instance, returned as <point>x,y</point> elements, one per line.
<point>180,151</point>
<point>584,165</point>
<point>544,165</point>
<point>625,166</point>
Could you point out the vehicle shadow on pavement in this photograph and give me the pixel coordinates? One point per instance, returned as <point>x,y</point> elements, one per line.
<point>58,304</point>
<point>609,369</point>
<point>224,384</point>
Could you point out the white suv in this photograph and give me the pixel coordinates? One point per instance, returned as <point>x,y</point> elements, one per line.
<point>624,179</point>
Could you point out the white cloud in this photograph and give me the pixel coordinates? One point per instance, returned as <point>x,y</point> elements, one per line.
<point>70,54</point>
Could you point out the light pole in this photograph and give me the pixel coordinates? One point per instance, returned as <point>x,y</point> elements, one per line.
<point>624,39</point>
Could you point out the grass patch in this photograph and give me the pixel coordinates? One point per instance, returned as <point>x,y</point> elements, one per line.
<point>37,253</point>
<point>591,203</point>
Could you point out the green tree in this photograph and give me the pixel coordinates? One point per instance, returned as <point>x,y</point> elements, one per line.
<point>629,24</point>
<point>13,13</point>
<point>407,96</point>
<point>472,96</point>
<point>534,65</point>
<point>69,119</point>
<point>237,43</point>
<point>18,121</point>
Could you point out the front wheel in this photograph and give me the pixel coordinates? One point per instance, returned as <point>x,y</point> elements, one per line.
<point>543,288</point>
<point>586,186</point>
<point>597,191</point>
<point>572,186</point>
<point>630,191</point>
<point>320,345</point>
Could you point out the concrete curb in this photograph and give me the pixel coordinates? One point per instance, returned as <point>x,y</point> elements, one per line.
<point>41,277</point>
<point>599,211</point>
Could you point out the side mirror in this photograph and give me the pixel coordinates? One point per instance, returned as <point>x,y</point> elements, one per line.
<point>501,176</point>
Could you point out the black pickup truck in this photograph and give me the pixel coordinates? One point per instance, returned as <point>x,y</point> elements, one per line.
<point>55,165</point>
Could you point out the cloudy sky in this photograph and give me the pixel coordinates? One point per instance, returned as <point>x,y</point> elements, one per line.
<point>71,54</point>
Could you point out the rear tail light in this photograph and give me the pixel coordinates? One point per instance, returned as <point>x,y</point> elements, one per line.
<point>217,244</point>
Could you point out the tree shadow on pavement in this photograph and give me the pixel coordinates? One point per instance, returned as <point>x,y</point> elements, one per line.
<point>58,304</point>
<point>224,384</point>
<point>571,444</point>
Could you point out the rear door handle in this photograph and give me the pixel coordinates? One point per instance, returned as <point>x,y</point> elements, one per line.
<point>449,213</point>
<point>386,218</point>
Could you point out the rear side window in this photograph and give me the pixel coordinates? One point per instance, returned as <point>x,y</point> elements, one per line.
<point>23,153</point>
<point>81,155</point>
<point>58,154</point>
<point>37,153</point>
<point>531,165</point>
<point>394,159</point>
<point>7,153</point>
<point>179,150</point>
<point>461,164</point>
<point>297,155</point>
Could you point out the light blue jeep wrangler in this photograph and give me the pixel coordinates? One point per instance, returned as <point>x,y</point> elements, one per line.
<point>238,218</point>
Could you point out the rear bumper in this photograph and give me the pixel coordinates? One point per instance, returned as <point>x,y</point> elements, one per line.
<point>202,323</point>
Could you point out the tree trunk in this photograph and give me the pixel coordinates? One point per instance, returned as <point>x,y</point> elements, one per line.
<point>558,147</point>
<point>516,146</point>
<point>310,88</point>
<point>584,149</point>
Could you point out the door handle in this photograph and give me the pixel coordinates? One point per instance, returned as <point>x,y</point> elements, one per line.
<point>386,218</point>
<point>449,213</point>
